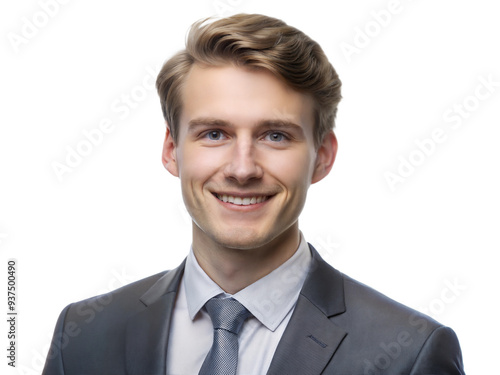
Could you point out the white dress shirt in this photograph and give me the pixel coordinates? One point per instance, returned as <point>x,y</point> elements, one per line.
<point>271,300</point>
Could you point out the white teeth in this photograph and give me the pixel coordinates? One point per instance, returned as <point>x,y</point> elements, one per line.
<point>241,201</point>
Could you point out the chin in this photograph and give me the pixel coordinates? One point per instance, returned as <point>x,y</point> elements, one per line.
<point>242,240</point>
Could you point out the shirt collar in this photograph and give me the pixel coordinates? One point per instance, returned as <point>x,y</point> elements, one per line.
<point>269,299</point>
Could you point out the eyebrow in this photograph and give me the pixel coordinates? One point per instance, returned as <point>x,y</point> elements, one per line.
<point>207,122</point>
<point>218,123</point>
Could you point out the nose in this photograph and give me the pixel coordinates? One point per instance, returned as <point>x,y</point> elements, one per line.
<point>243,166</point>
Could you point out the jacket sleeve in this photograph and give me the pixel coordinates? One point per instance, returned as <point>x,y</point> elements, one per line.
<point>54,362</point>
<point>440,355</point>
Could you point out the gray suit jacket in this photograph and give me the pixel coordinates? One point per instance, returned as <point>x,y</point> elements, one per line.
<point>339,327</point>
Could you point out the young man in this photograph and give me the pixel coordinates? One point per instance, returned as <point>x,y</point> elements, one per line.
<point>250,107</point>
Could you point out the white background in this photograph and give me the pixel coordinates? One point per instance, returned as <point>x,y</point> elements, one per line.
<point>118,215</point>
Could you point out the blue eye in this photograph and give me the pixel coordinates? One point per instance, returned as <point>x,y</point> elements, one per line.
<point>214,135</point>
<point>276,137</point>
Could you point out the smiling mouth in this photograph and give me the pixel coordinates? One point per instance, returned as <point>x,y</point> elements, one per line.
<point>242,201</point>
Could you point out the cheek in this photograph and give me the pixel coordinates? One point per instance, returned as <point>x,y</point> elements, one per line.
<point>196,165</point>
<point>294,170</point>
<point>195,168</point>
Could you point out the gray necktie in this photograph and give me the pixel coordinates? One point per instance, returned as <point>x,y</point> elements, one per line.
<point>228,316</point>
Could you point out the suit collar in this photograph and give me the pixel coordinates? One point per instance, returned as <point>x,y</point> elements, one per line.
<point>311,339</point>
<point>147,331</point>
<point>324,286</point>
<point>168,283</point>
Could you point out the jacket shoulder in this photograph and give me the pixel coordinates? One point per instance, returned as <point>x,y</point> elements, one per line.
<point>371,305</point>
<point>385,336</point>
<point>90,335</point>
<point>119,302</point>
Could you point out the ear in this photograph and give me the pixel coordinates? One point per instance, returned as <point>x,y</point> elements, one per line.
<point>169,154</point>
<point>325,157</point>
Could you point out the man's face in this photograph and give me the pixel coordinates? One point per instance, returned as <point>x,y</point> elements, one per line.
<point>245,155</point>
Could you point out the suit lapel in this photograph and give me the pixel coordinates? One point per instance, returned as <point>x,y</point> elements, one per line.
<point>147,331</point>
<point>311,339</point>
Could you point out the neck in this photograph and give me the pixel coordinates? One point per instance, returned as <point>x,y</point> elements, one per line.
<point>234,269</point>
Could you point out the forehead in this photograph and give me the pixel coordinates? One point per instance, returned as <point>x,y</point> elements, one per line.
<point>242,96</point>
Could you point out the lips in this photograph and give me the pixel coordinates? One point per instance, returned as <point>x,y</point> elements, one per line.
<point>242,201</point>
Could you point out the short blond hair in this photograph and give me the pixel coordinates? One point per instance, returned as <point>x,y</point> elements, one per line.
<point>258,41</point>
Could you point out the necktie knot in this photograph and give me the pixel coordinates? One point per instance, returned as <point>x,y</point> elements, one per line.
<point>227,314</point>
